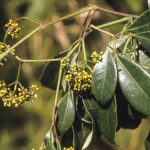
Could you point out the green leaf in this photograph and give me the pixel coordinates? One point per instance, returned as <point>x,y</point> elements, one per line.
<point>144,38</point>
<point>144,60</point>
<point>49,141</point>
<point>106,119</point>
<point>66,113</point>
<point>119,43</point>
<point>141,24</point>
<point>50,72</point>
<point>104,78</point>
<point>88,140</point>
<point>135,84</point>
<point>141,28</point>
<point>58,146</point>
<point>82,129</point>
<point>128,117</point>
<point>147,142</point>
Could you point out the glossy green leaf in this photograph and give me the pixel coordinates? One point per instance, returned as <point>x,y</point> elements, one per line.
<point>49,141</point>
<point>88,140</point>
<point>58,146</point>
<point>104,78</point>
<point>135,84</point>
<point>141,28</point>
<point>66,113</point>
<point>119,43</point>
<point>144,38</point>
<point>128,117</point>
<point>141,24</point>
<point>144,60</point>
<point>106,119</point>
<point>82,129</point>
<point>50,72</point>
<point>147,142</point>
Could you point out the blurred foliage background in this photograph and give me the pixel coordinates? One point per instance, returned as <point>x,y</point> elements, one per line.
<point>24,128</point>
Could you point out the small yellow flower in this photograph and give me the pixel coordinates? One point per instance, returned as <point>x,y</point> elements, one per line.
<point>64,63</point>
<point>78,80</point>
<point>3,89</point>
<point>16,98</point>
<point>69,148</point>
<point>3,48</point>
<point>13,29</point>
<point>96,57</point>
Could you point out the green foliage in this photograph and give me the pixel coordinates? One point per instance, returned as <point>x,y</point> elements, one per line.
<point>66,113</point>
<point>50,72</point>
<point>96,95</point>
<point>104,78</point>
<point>118,87</point>
<point>141,29</point>
<point>147,142</point>
<point>50,143</point>
<point>144,60</point>
<point>87,141</point>
<point>106,118</point>
<point>135,84</point>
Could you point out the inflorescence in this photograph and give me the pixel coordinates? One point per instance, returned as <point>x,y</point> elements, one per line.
<point>3,48</point>
<point>64,63</point>
<point>96,57</point>
<point>13,29</point>
<point>69,148</point>
<point>16,98</point>
<point>78,79</point>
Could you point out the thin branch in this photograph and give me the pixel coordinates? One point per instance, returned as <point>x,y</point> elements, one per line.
<point>43,26</point>
<point>55,102</point>
<point>114,22</point>
<point>106,32</point>
<point>36,60</point>
<point>18,75</point>
<point>28,18</point>
<point>115,12</point>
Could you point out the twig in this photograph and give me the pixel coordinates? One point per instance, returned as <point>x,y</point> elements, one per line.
<point>36,60</point>
<point>43,26</point>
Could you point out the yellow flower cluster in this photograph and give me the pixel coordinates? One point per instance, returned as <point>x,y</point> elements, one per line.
<point>3,88</point>
<point>3,48</point>
<point>78,80</point>
<point>69,148</point>
<point>16,98</point>
<point>13,29</point>
<point>64,63</point>
<point>96,57</point>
